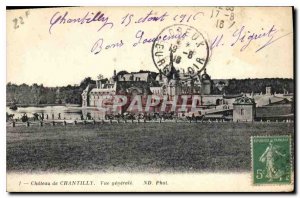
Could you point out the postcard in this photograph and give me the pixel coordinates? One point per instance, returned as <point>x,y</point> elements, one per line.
<point>150,99</point>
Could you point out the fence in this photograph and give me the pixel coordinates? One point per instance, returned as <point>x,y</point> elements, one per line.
<point>111,121</point>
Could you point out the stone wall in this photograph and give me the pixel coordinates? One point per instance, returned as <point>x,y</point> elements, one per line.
<point>243,113</point>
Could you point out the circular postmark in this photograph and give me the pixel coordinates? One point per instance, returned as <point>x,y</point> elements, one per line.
<point>180,49</point>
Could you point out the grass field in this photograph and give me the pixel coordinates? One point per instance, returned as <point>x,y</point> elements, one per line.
<point>151,147</point>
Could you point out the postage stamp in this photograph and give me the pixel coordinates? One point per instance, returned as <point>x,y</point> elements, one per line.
<point>271,159</point>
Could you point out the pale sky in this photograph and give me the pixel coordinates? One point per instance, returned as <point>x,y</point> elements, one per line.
<point>64,56</point>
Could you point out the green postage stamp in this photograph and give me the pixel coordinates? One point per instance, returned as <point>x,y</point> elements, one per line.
<point>271,159</point>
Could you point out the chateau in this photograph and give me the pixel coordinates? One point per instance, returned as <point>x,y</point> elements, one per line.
<point>213,103</point>
<point>141,83</point>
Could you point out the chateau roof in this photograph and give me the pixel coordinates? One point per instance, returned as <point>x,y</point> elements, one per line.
<point>244,100</point>
<point>263,100</point>
<point>221,81</point>
<point>89,87</point>
<point>142,76</point>
<point>104,90</point>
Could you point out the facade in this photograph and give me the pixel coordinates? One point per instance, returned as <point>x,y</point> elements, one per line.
<point>244,109</point>
<point>180,84</point>
<point>239,107</point>
<point>85,95</point>
<point>134,83</point>
<point>268,91</point>
<point>125,84</point>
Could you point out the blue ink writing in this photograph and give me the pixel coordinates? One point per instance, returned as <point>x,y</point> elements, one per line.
<point>242,36</point>
<point>127,19</point>
<point>186,17</point>
<point>152,17</point>
<point>59,18</point>
<point>216,42</point>
<point>98,46</point>
<point>142,40</point>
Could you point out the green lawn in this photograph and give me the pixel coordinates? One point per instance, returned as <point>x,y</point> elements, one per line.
<point>151,147</point>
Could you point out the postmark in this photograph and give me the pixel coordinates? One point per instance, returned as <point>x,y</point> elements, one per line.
<point>271,159</point>
<point>224,17</point>
<point>180,48</point>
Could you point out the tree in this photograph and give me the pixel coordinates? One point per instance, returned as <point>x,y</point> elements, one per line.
<point>100,77</point>
<point>86,82</point>
<point>120,73</point>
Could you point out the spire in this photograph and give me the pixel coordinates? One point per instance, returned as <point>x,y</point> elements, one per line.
<point>171,59</point>
<point>172,73</point>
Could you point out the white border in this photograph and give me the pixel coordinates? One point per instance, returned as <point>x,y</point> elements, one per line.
<point>5,3</point>
<point>151,3</point>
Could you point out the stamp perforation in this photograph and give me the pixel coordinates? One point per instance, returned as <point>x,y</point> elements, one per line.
<point>290,161</point>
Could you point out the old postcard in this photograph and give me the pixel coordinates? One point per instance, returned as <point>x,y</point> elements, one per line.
<point>150,99</point>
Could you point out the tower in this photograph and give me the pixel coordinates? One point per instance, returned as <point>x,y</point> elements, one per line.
<point>244,109</point>
<point>268,91</point>
<point>205,83</point>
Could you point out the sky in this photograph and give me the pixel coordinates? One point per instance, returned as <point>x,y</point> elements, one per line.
<point>57,54</point>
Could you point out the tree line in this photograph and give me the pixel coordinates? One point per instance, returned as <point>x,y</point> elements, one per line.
<point>278,85</point>
<point>38,94</point>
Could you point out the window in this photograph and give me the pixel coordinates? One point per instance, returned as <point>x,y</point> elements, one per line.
<point>242,111</point>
